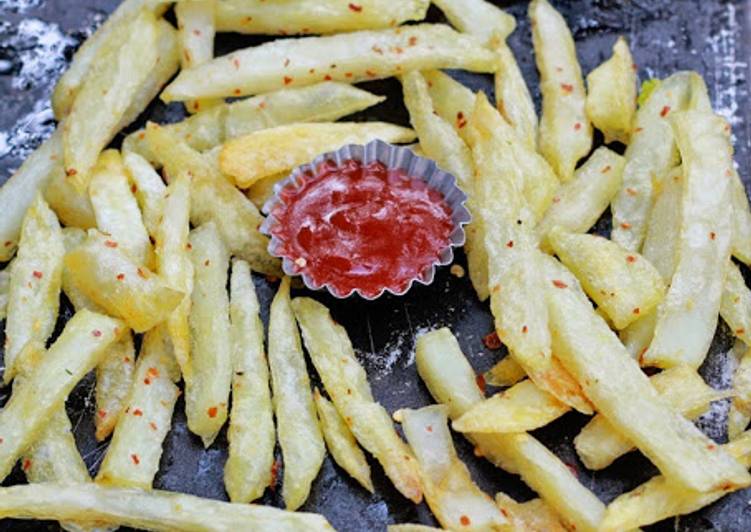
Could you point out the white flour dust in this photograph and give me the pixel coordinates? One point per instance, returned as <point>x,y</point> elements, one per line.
<point>380,362</point>
<point>19,6</point>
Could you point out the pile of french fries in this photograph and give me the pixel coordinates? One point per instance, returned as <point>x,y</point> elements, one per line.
<point>160,237</point>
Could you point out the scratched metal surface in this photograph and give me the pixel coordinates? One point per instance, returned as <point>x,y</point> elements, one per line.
<point>37,38</point>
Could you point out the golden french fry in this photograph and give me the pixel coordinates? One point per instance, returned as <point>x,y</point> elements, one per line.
<point>251,431</point>
<point>341,442</point>
<point>599,444</point>
<point>350,57</point>
<point>565,134</point>
<point>741,243</point>
<point>740,409</point>
<point>150,509</point>
<point>20,190</point>
<point>35,282</point>
<point>72,238</point>
<point>687,319</point>
<point>579,203</point>
<point>611,99</point>
<point>506,372</point>
<point>660,498</point>
<point>735,305</point>
<point>452,101</point>
<point>346,383</point>
<point>532,516</point>
<point>81,346</point>
<point>132,458</point>
<point>300,435</point>
<point>452,496</point>
<point>195,21</point>
<point>271,151</point>
<point>149,189</point>
<point>663,230</point>
<point>315,16</point>
<point>114,377</point>
<point>72,207</point>
<point>481,19</point>
<point>594,355</point>
<point>451,381</point>
<point>512,95</point>
<point>207,390</point>
<point>521,408</point>
<point>103,98</point>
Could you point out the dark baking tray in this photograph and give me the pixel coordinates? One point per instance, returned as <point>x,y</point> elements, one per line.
<point>709,36</point>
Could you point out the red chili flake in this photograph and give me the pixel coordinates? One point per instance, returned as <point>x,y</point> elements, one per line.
<point>348,75</point>
<point>137,412</point>
<point>573,470</point>
<point>110,243</point>
<point>504,512</point>
<point>631,259</point>
<point>371,73</point>
<point>496,289</point>
<point>606,169</point>
<point>120,276</point>
<point>212,411</point>
<point>510,244</point>
<point>188,246</point>
<point>664,111</point>
<point>491,340</point>
<point>287,80</point>
<point>460,120</point>
<point>327,78</point>
<point>262,105</point>
<point>480,380</point>
<point>429,428</point>
<point>711,447</point>
<point>740,331</point>
<point>412,40</point>
<point>152,425</point>
<point>101,413</point>
<point>147,381</point>
<point>153,372</point>
<point>577,126</point>
<point>26,464</point>
<point>196,105</point>
<point>286,62</point>
<point>559,284</point>
<point>636,310</point>
<point>631,191</point>
<point>274,474</point>
<point>525,329</point>
<point>625,225</point>
<point>237,92</point>
<point>567,88</point>
<point>141,136</point>
<point>712,235</point>
<point>96,333</point>
<point>236,62</point>
<point>355,8</point>
<point>8,243</point>
<point>71,172</point>
<point>133,188</point>
<point>464,520</point>
<point>1,440</point>
<point>135,459</point>
<point>38,274</point>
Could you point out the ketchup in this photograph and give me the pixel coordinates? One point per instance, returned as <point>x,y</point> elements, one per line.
<point>367,227</point>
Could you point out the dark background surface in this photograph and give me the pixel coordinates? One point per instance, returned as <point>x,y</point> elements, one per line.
<point>38,37</point>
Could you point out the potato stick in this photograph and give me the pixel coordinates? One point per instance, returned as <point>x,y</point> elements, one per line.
<point>341,442</point>
<point>300,435</point>
<point>214,199</point>
<point>599,444</point>
<point>506,372</point>
<point>611,98</point>
<point>741,243</point>
<point>35,282</point>
<point>80,347</point>
<point>4,290</point>
<point>579,203</point>
<point>651,153</point>
<point>452,101</point>
<point>261,191</point>
<point>111,280</point>
<point>271,151</point>
<point>105,95</point>
<point>207,390</point>
<point>451,381</point>
<point>409,527</point>
<point>477,17</point>
<point>116,209</point>
<point>521,408</point>
<point>251,431</point>
<point>132,458</point>
<point>72,207</point>
<point>157,510</point>
<point>72,238</point>
<point>351,57</point>
<point>687,319</point>
<point>565,134</point>
<point>532,516</point>
<point>512,95</point>
<point>149,189</point>
<point>659,498</point>
<point>19,191</point>
<point>195,21</point>
<point>346,383</point>
<point>624,285</point>
<point>664,225</point>
<point>91,49</point>
<point>452,496</point>
<point>114,377</point>
<point>735,305</point>
<point>315,16</point>
<point>594,355</point>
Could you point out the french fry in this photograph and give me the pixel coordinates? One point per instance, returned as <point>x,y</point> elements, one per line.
<point>132,458</point>
<point>102,100</point>
<point>195,21</point>
<point>479,18</point>
<point>664,225</point>
<point>149,189</point>
<point>687,319</point>
<point>341,442</point>
<point>532,516</point>
<point>512,95</point>
<point>207,390</point>
<point>35,282</point>
<point>735,305</point>
<point>624,285</point>
<point>150,509</point>
<point>741,243</point>
<point>521,408</point>
<point>740,409</point>
<point>452,101</point>
<point>174,265</point>
<point>251,431</point>
<point>599,444</point>
<point>81,346</point>
<point>565,134</point>
<point>452,496</point>
<point>594,355</point>
<point>659,498</point>
<point>4,289</point>
<point>105,274</point>
<point>357,56</point>
<point>271,151</point>
<point>651,152</point>
<point>451,381</point>
<point>20,190</point>
<point>611,97</point>
<point>506,372</point>
<point>638,335</point>
<point>72,238</point>
<point>114,377</point>
<point>315,16</point>
<point>116,209</point>
<point>346,383</point>
<point>214,199</point>
<point>299,433</point>
<point>72,207</point>
<point>579,203</point>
